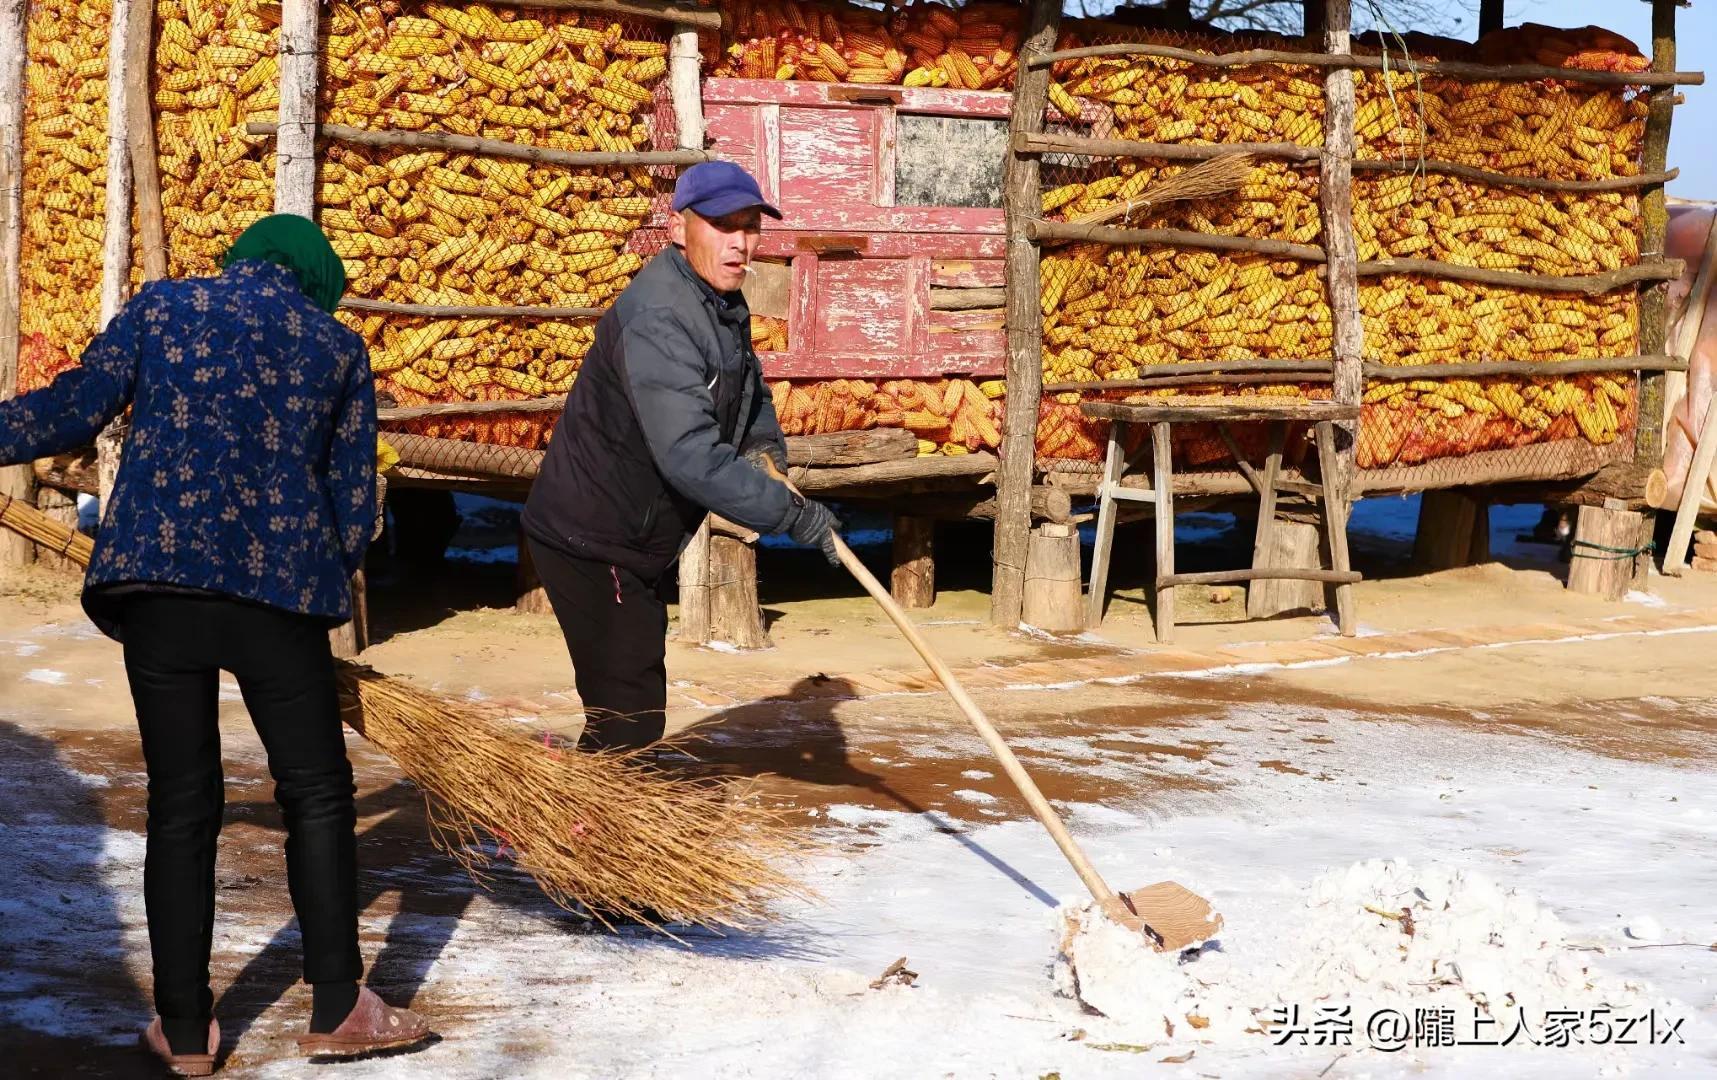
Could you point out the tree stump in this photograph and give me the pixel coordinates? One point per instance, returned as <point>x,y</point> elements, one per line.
<point>694,588</point>
<point>1287,543</point>
<point>1603,540</point>
<point>734,615</point>
<point>529,596</point>
<point>1052,599</point>
<point>914,580</point>
<point>1454,531</point>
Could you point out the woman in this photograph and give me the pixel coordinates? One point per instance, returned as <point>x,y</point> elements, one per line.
<point>244,503</point>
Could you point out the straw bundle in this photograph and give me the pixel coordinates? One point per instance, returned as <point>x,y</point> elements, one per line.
<point>604,830</point>
<point>1207,180</point>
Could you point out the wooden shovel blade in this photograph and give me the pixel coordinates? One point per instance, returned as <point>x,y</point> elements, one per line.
<point>1173,916</point>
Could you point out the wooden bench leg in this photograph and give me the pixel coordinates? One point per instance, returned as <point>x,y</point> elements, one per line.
<point>1162,479</point>
<point>1114,464</point>
<point>1335,507</point>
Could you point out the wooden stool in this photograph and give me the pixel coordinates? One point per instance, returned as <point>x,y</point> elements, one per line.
<point>1161,416</point>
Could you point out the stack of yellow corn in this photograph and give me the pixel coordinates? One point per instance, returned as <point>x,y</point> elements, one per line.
<point>65,173</point>
<point>949,416</point>
<point>768,334</point>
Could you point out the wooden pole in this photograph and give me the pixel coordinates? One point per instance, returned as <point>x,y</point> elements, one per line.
<point>1022,202</point>
<point>295,138</point>
<point>471,144</point>
<point>685,87</point>
<point>648,9</point>
<point>145,171</point>
<point>116,228</point>
<point>16,481</point>
<point>1654,220</point>
<point>1335,189</point>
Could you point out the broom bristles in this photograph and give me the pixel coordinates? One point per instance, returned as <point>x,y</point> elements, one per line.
<point>603,830</point>
<point>1206,180</point>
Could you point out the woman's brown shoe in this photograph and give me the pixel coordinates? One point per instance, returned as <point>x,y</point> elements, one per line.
<point>371,1025</point>
<point>155,1041</point>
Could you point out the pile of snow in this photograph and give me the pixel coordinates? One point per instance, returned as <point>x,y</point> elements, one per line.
<point>1378,935</point>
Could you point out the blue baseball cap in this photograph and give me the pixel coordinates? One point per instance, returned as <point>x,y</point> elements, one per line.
<point>715,189</point>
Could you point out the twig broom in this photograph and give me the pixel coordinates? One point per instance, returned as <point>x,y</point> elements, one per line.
<point>605,830</point>
<point>1206,180</point>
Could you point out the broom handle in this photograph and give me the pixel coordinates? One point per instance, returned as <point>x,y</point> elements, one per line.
<point>1016,772</point>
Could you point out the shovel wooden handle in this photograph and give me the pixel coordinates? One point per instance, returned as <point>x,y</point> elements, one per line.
<point>1016,772</point>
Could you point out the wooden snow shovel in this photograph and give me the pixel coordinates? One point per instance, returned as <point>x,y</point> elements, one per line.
<point>1171,915</point>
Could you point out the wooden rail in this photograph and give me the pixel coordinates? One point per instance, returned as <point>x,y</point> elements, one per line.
<point>470,144</point>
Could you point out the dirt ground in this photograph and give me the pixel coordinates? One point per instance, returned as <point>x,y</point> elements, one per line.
<point>1242,716</point>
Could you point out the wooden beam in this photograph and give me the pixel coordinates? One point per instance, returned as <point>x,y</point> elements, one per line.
<point>15,480</point>
<point>704,18</point>
<point>1498,179</point>
<point>1654,225</point>
<point>852,447</point>
<point>295,135</point>
<point>1347,61</point>
<point>1278,573</point>
<point>116,228</point>
<point>1221,409</point>
<point>1047,504</point>
<point>1111,234</point>
<point>1335,193</point>
<point>1647,269</point>
<point>1048,143</point>
<point>1022,202</point>
<point>685,87</point>
<point>967,299</point>
<point>930,467</point>
<point>145,170</point>
<point>470,144</point>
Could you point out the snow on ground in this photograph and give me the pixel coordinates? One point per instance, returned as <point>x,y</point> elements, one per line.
<point>1601,845</point>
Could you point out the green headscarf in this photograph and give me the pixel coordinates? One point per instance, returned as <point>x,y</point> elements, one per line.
<point>297,244</point>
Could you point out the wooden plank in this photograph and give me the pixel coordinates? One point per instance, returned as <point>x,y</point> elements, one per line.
<point>1162,480</point>
<point>1335,200</point>
<point>860,308</point>
<point>1232,409</point>
<point>935,239</point>
<point>15,480</point>
<point>913,581</point>
<point>931,467</point>
<point>1114,465</point>
<point>1022,203</point>
<point>684,64</point>
<point>1654,226</point>
<point>828,163</point>
<point>1281,573</point>
<point>967,274</point>
<point>852,447</point>
<point>966,299</point>
<point>1428,69</point>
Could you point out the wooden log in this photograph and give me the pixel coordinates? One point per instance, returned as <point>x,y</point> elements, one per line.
<point>1424,68</point>
<point>720,526</point>
<point>1050,143</point>
<point>1499,179</point>
<point>470,144</point>
<point>1022,203</point>
<point>1637,484</point>
<point>1647,269</point>
<point>352,637</point>
<point>685,88</point>
<point>694,588</point>
<point>74,472</point>
<point>1048,503</point>
<point>15,480</point>
<point>734,615</point>
<point>1289,573</point>
<point>852,447</point>
<point>1453,531</point>
<point>295,134</point>
<point>1053,598</point>
<point>1287,543</point>
<point>938,467</point>
<point>529,596</point>
<point>966,299</point>
<point>145,171</point>
<point>1481,368</point>
<point>1041,230</point>
<point>1602,563</point>
<point>471,311</point>
<point>1654,226</point>
<point>705,18</point>
<point>1229,409</point>
<point>116,228</point>
<point>913,581</point>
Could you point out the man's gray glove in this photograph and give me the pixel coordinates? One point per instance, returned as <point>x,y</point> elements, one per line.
<point>814,525</point>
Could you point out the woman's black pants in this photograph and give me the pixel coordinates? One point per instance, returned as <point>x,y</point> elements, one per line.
<point>175,649</point>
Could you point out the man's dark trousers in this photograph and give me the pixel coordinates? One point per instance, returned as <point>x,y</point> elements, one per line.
<point>175,648</point>
<point>616,628</point>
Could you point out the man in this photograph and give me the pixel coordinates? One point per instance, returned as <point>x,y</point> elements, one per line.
<point>669,420</point>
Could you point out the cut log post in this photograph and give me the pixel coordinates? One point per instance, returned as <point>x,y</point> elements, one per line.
<point>295,137</point>
<point>694,588</point>
<point>1607,546</point>
<point>734,615</point>
<point>352,637</point>
<point>529,596</point>
<point>1023,204</point>
<point>116,226</point>
<point>1288,543</point>
<point>913,584</point>
<point>15,480</point>
<point>1335,191</point>
<point>1453,531</point>
<point>1053,587</point>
